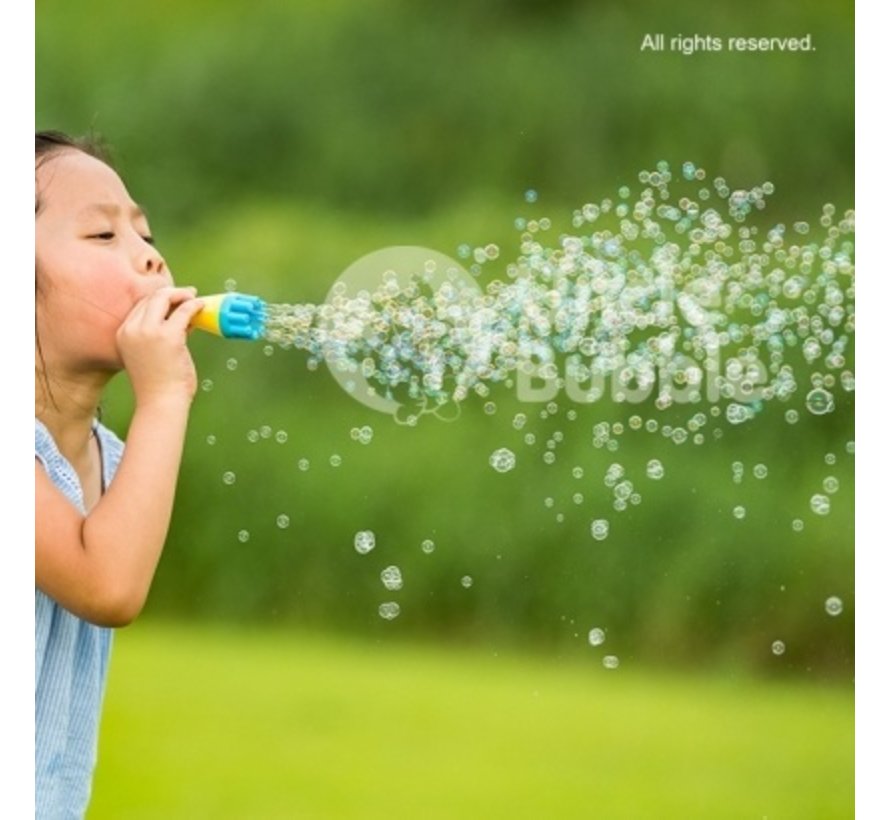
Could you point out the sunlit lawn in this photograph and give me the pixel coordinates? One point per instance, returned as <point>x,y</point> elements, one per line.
<point>213,723</point>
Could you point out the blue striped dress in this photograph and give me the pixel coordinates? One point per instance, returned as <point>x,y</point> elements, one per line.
<point>71,664</point>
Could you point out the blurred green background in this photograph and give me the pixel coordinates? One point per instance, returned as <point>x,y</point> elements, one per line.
<point>275,144</point>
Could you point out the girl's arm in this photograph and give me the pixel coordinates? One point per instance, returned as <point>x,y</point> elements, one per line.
<point>100,566</point>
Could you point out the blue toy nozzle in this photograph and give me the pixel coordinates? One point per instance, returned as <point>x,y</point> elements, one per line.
<point>232,316</point>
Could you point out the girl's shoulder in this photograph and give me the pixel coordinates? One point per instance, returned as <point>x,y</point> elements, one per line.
<point>47,453</point>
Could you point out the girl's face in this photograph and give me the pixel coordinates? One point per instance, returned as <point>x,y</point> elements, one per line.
<point>94,255</point>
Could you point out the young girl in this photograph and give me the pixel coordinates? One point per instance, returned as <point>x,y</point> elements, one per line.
<point>105,302</point>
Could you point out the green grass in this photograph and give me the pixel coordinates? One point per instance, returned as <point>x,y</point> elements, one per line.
<point>205,722</point>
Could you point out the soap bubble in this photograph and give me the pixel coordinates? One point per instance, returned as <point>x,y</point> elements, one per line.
<point>797,525</point>
<point>265,431</point>
<point>207,385</point>
<point>281,437</point>
<point>335,460</point>
<point>611,661</point>
<point>428,545</point>
<point>760,471</point>
<point>303,464</point>
<point>502,460</point>
<point>655,469</point>
<point>232,363</point>
<point>283,521</point>
<point>596,636</point>
<point>531,195</point>
<point>389,610</point>
<point>820,504</point>
<point>391,578</point>
<point>599,529</point>
<point>834,606</point>
<point>466,582</point>
<point>739,512</point>
<point>364,541</point>
<point>228,477</point>
<point>211,439</point>
<point>253,436</point>
<point>778,647</point>
<point>819,401</point>
<point>243,536</point>
<point>830,484</point>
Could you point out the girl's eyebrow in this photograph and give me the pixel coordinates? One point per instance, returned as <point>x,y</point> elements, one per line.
<point>112,209</point>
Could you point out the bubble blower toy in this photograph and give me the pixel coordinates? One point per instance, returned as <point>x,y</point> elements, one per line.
<point>232,316</point>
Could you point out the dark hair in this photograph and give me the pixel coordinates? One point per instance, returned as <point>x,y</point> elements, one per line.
<point>49,143</point>
<point>46,145</point>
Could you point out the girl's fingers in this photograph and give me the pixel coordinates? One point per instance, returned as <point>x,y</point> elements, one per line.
<point>160,304</point>
<point>182,316</point>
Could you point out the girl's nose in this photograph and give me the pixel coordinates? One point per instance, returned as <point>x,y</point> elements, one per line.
<point>153,262</point>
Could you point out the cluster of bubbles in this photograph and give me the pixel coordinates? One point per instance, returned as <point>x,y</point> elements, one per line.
<point>362,435</point>
<point>667,294</point>
<point>502,460</point>
<point>364,541</point>
<point>670,294</point>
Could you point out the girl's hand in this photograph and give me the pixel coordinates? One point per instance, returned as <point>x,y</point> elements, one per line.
<point>151,343</point>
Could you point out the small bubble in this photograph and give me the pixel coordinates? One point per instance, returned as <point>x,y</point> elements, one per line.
<point>389,610</point>
<point>850,447</point>
<point>760,471</point>
<point>596,636</point>
<point>797,525</point>
<point>830,459</point>
<point>243,536</point>
<point>335,460</point>
<point>211,439</point>
<point>834,606</point>
<point>281,437</point>
<point>502,460</point>
<point>265,431</point>
<point>207,385</point>
<point>230,285</point>
<point>531,195</point>
<point>778,647</point>
<point>548,502</point>
<point>428,545</point>
<point>268,350</point>
<point>820,504</point>
<point>232,363</point>
<point>578,498</point>
<point>830,484</point>
<point>364,541</point>
<point>253,436</point>
<point>739,512</point>
<point>391,578</point>
<point>303,464</point>
<point>490,408</point>
<point>819,401</point>
<point>655,469</point>
<point>529,438</point>
<point>466,582</point>
<point>578,472</point>
<point>283,521</point>
<point>228,477</point>
<point>599,529</point>
<point>792,416</point>
<point>611,661</point>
